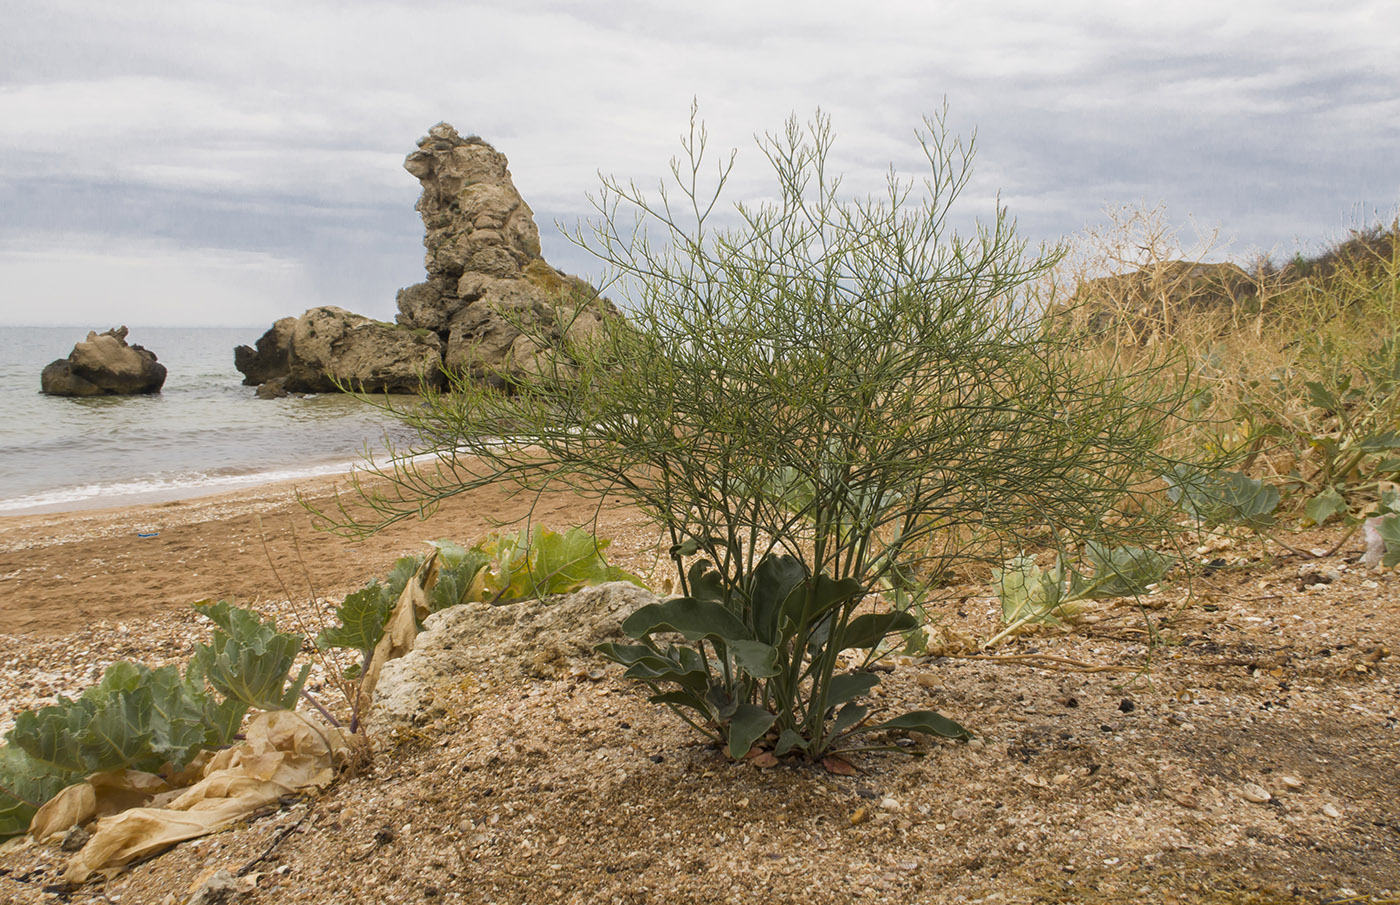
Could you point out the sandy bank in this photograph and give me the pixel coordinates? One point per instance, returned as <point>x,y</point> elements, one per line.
<point>61,571</point>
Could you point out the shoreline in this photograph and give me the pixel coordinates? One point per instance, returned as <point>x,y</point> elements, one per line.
<point>153,490</point>
<point>63,570</point>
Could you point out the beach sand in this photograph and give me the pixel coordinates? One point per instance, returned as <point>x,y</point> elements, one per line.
<point>61,572</point>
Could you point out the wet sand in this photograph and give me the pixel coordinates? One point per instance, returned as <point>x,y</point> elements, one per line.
<point>62,571</point>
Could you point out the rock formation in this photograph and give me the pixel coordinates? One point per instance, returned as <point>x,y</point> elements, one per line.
<point>327,346</point>
<point>104,365</point>
<point>491,304</point>
<point>533,638</point>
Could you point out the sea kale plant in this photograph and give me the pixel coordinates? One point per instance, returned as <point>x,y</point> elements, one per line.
<point>818,398</point>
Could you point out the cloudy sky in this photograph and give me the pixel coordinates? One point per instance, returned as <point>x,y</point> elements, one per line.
<point>230,163</point>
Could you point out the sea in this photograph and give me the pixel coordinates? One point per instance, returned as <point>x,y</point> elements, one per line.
<point>204,433</point>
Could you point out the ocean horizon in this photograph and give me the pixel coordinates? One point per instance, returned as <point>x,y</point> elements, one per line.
<point>204,433</point>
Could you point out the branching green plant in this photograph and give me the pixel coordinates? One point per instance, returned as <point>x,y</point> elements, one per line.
<point>816,393</point>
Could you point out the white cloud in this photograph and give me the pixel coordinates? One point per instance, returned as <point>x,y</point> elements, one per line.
<point>1254,114</point>
<point>100,282</point>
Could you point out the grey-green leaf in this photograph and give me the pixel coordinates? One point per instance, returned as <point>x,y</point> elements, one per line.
<point>925,721</point>
<point>694,619</point>
<point>746,727</point>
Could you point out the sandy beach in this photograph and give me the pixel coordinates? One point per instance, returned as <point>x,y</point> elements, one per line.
<point>1247,756</point>
<point>60,572</point>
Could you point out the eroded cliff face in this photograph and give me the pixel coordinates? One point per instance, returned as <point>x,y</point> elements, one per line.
<point>486,278</point>
<point>491,307</point>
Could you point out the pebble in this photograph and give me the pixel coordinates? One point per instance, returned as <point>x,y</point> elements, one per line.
<point>1291,782</point>
<point>1255,793</point>
<point>1331,810</point>
<point>928,680</point>
<point>890,804</point>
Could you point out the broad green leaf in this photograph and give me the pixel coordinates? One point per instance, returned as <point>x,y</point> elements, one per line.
<point>746,727</point>
<point>405,568</point>
<point>362,616</point>
<point>566,562</point>
<point>1322,397</point>
<point>1249,500</point>
<point>1325,505</point>
<point>849,716</point>
<point>51,736</point>
<point>25,785</point>
<point>790,740</point>
<point>849,686</point>
<point>1027,593</point>
<point>1216,497</point>
<point>705,582</point>
<point>773,580</point>
<point>1381,442</point>
<point>657,669</point>
<point>457,578</point>
<point>870,629</point>
<point>810,602</point>
<point>694,619</point>
<point>925,721</point>
<point>248,659</point>
<point>1121,571</point>
<point>688,547</point>
<point>626,654</point>
<point>178,727</point>
<point>1389,530</point>
<point>754,657</point>
<point>682,699</point>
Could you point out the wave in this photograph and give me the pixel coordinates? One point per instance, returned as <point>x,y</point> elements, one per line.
<point>158,488</point>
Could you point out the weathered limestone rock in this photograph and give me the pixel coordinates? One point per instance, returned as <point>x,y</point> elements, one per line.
<point>500,309</point>
<point>326,345</point>
<point>492,305</point>
<point>272,356</point>
<point>537,639</point>
<point>104,364</point>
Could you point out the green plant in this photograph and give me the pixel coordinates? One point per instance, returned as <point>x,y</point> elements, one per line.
<point>1031,596</point>
<point>154,720</point>
<point>501,568</point>
<point>1215,497</point>
<point>826,397</point>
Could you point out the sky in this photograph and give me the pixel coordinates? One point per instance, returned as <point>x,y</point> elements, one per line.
<point>212,163</point>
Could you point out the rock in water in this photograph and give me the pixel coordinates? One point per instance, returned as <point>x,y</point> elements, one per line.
<point>104,365</point>
<point>493,306</point>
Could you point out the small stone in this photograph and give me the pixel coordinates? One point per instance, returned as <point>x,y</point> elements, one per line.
<point>1255,793</point>
<point>75,838</point>
<point>1331,810</point>
<point>859,816</point>
<point>890,804</point>
<point>1291,782</point>
<point>928,680</point>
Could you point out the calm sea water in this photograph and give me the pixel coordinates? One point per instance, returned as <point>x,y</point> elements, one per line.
<point>204,433</point>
